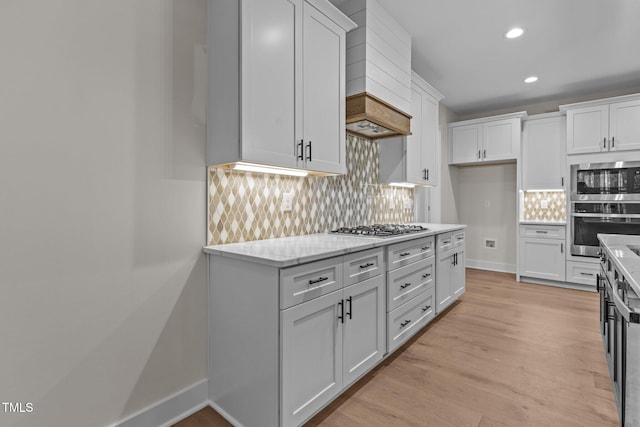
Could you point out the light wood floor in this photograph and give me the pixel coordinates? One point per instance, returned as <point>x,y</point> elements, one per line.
<point>507,354</point>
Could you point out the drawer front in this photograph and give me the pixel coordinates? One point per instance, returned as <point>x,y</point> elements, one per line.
<point>308,281</point>
<point>543,231</point>
<point>582,272</point>
<point>403,253</point>
<point>406,320</point>
<point>363,265</point>
<point>409,281</point>
<point>444,242</point>
<point>458,238</point>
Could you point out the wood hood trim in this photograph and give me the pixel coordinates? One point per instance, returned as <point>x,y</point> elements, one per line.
<point>364,106</point>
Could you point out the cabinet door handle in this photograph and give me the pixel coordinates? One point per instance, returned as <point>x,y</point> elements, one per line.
<point>561,248</point>
<point>309,151</point>
<point>562,181</point>
<point>484,153</point>
<point>479,155</point>
<point>446,242</point>
<point>613,141</point>
<point>405,323</point>
<point>350,312</point>
<point>300,150</point>
<point>582,273</point>
<point>453,260</point>
<point>406,285</point>
<point>341,317</point>
<point>369,264</point>
<point>321,279</point>
<point>541,231</point>
<point>604,142</point>
<point>425,248</point>
<point>405,254</point>
<point>426,308</point>
<point>425,275</point>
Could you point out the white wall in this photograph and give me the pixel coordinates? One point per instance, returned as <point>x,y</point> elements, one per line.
<point>486,201</point>
<point>448,174</point>
<point>102,195</point>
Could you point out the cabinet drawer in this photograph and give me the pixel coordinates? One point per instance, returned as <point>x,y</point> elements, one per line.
<point>407,319</point>
<point>308,281</point>
<point>404,253</point>
<point>361,266</point>
<point>543,231</point>
<point>457,238</point>
<point>582,272</point>
<point>409,281</point>
<point>444,242</point>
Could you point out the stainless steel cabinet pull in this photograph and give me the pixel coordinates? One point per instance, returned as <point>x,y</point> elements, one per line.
<point>405,323</point>
<point>406,285</point>
<point>350,312</point>
<point>301,150</point>
<point>341,317</point>
<point>405,253</point>
<point>586,274</point>
<point>321,279</point>
<point>426,308</point>
<point>369,264</point>
<point>541,231</point>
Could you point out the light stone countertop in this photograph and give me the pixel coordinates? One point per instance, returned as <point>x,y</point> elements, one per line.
<point>628,262</point>
<point>532,222</point>
<point>288,251</point>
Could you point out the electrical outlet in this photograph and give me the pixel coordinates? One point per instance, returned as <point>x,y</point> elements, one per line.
<point>407,203</point>
<point>544,204</point>
<point>490,243</point>
<point>287,202</point>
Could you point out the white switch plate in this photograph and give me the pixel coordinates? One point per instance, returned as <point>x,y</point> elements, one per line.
<point>287,202</point>
<point>544,204</point>
<point>486,203</point>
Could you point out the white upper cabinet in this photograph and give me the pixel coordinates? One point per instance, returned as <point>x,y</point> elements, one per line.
<point>611,124</point>
<point>277,84</point>
<point>543,152</point>
<point>492,139</point>
<point>415,158</point>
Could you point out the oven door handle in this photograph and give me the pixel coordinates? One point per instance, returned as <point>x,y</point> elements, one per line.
<point>629,315</point>
<point>604,215</point>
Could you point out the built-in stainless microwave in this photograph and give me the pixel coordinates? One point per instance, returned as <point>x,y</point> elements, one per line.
<point>605,198</point>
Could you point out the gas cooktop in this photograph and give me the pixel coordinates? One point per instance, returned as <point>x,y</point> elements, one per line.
<point>380,230</point>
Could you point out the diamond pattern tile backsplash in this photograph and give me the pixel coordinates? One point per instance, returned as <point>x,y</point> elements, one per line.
<point>245,206</point>
<point>556,206</point>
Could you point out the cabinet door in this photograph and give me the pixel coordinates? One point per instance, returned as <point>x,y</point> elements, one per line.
<point>587,129</point>
<point>311,356</point>
<point>364,328</point>
<point>542,258</point>
<point>465,142</point>
<point>501,140</point>
<point>269,76</point>
<point>430,140</point>
<point>624,125</point>
<point>324,93</point>
<point>458,275</point>
<point>543,154</point>
<point>444,293</point>
<point>414,142</point>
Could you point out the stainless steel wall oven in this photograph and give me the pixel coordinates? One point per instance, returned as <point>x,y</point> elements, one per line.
<point>605,198</point>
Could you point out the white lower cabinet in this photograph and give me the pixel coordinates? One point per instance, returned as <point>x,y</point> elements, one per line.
<point>327,344</point>
<point>543,256</point>
<point>406,320</point>
<point>450,272</point>
<point>584,273</point>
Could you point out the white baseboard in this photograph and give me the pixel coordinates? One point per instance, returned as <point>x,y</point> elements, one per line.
<point>492,266</point>
<point>224,414</point>
<point>172,409</point>
<point>567,285</point>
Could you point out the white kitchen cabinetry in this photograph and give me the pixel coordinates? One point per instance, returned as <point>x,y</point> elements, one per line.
<point>488,140</point>
<point>542,252</point>
<point>543,152</point>
<point>415,158</point>
<point>277,84</point>
<point>584,273</point>
<point>611,124</point>
<point>450,270</point>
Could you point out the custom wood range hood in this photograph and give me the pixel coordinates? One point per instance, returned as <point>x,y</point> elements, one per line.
<point>373,118</point>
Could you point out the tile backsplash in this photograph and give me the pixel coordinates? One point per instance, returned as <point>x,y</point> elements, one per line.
<point>556,209</point>
<point>245,206</point>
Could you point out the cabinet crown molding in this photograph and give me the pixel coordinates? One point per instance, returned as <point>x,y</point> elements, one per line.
<point>595,102</point>
<point>520,114</point>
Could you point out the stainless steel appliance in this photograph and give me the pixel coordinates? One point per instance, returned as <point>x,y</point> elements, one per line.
<point>605,198</point>
<point>620,328</point>
<point>380,230</point>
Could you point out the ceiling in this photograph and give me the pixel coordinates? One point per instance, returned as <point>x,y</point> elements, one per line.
<point>575,47</point>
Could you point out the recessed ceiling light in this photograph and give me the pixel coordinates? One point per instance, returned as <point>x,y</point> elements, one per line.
<point>514,33</point>
<point>531,79</point>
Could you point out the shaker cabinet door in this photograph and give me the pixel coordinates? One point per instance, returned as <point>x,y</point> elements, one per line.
<point>624,125</point>
<point>588,129</point>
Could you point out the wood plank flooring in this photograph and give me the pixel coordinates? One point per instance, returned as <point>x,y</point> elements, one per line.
<point>507,354</point>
